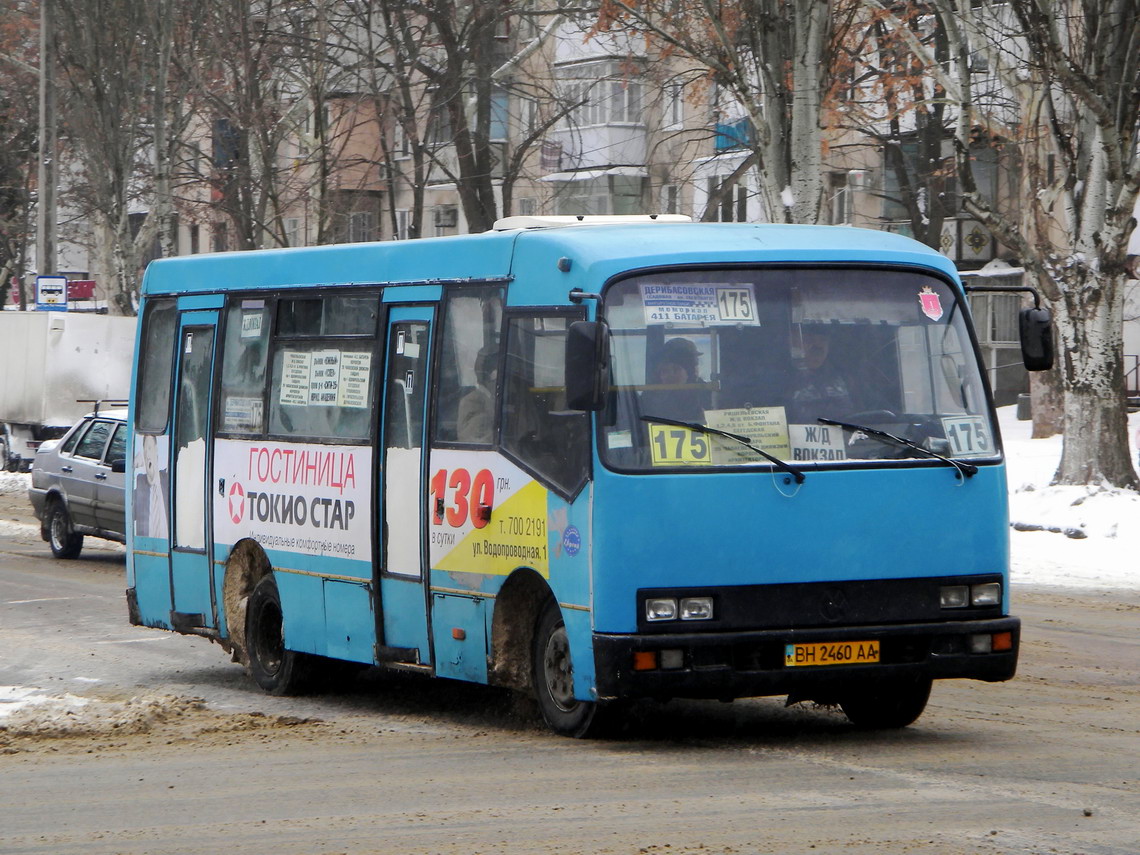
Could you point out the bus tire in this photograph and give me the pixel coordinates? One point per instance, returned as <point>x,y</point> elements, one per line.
<point>887,705</point>
<point>64,541</point>
<point>276,670</point>
<point>553,675</point>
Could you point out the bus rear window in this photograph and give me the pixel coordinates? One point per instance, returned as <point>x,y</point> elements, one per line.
<point>156,363</point>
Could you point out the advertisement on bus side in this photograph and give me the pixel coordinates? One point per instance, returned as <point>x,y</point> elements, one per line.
<point>309,499</point>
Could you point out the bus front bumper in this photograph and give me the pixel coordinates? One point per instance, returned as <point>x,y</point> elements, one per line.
<point>744,664</point>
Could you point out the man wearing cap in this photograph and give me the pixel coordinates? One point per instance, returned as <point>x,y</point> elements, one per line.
<point>678,392</point>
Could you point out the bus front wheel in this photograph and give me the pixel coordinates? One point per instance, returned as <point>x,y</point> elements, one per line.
<point>554,680</point>
<point>278,671</point>
<point>888,705</point>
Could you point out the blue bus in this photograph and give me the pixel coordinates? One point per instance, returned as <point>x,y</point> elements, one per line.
<point>595,459</point>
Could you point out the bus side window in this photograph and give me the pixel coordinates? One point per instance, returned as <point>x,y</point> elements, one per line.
<point>244,359</point>
<point>321,372</point>
<point>538,430</point>
<point>469,358</point>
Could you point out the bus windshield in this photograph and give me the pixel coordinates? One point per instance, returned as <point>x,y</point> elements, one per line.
<point>766,353</point>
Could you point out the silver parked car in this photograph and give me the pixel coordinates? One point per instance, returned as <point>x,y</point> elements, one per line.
<point>78,483</point>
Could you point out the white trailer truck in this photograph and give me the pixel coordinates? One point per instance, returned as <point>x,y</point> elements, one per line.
<point>55,367</point>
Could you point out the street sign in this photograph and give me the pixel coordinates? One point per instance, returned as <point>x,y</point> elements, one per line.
<point>51,293</point>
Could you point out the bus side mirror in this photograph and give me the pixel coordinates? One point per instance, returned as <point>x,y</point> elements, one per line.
<point>1036,327</point>
<point>587,365</point>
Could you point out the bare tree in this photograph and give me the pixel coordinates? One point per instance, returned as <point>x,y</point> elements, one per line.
<point>1071,79</point>
<point>770,57</point>
<point>114,58</point>
<point>18,132</point>
<point>883,95</point>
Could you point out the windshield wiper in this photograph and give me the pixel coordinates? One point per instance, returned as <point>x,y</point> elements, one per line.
<point>746,441</point>
<point>965,470</point>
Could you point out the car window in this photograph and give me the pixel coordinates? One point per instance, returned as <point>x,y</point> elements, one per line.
<point>94,441</point>
<point>70,443</point>
<point>118,447</point>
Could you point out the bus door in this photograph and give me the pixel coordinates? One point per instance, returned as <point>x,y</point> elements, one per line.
<point>191,565</point>
<point>402,612</point>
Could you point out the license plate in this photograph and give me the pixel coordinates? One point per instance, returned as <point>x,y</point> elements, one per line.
<point>831,653</point>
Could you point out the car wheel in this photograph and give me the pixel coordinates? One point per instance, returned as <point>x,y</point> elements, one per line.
<point>64,541</point>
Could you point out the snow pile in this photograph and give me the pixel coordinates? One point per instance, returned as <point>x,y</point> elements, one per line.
<point>13,482</point>
<point>31,712</point>
<point>1080,537</point>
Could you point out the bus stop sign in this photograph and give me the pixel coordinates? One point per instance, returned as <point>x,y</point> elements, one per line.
<point>51,293</point>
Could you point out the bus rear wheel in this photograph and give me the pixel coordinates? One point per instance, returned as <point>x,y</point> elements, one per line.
<point>887,705</point>
<point>553,673</point>
<point>276,670</point>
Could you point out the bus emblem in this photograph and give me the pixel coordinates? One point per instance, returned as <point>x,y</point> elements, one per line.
<point>931,303</point>
<point>237,502</point>
<point>572,541</point>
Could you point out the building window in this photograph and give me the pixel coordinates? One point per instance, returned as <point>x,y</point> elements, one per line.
<point>625,102</point>
<point>500,103</point>
<point>445,219</point>
<point>195,238</point>
<point>361,226</point>
<point>439,123</point>
<point>839,196</point>
<point>675,105</point>
<point>221,237</point>
<point>293,231</point>
<point>610,97</point>
<point>670,199</point>
<point>402,223</point>
<point>528,114</point>
<point>227,145</point>
<point>733,207</point>
<point>401,148</point>
<point>527,206</point>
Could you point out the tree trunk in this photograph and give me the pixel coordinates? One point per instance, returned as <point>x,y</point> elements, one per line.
<point>1096,448</point>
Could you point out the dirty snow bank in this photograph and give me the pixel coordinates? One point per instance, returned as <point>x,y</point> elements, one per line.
<point>32,712</point>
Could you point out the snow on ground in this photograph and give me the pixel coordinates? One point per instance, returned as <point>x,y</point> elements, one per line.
<point>13,482</point>
<point>1107,556</point>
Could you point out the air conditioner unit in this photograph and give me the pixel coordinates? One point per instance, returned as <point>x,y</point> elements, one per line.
<point>446,217</point>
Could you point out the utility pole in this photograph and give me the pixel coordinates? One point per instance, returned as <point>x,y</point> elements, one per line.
<point>46,205</point>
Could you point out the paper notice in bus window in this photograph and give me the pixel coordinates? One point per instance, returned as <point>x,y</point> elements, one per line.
<point>765,427</point>
<point>242,414</point>
<point>324,378</point>
<point>251,323</point>
<point>816,443</point>
<point>295,368</point>
<point>710,304</point>
<point>355,370</point>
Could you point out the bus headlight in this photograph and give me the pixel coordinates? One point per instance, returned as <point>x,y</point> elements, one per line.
<point>986,594</point>
<point>955,596</point>
<point>660,608</point>
<point>697,608</point>
<point>967,596</point>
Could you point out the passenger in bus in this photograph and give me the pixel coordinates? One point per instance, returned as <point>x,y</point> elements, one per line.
<point>476,421</point>
<point>818,387</point>
<point>680,393</point>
